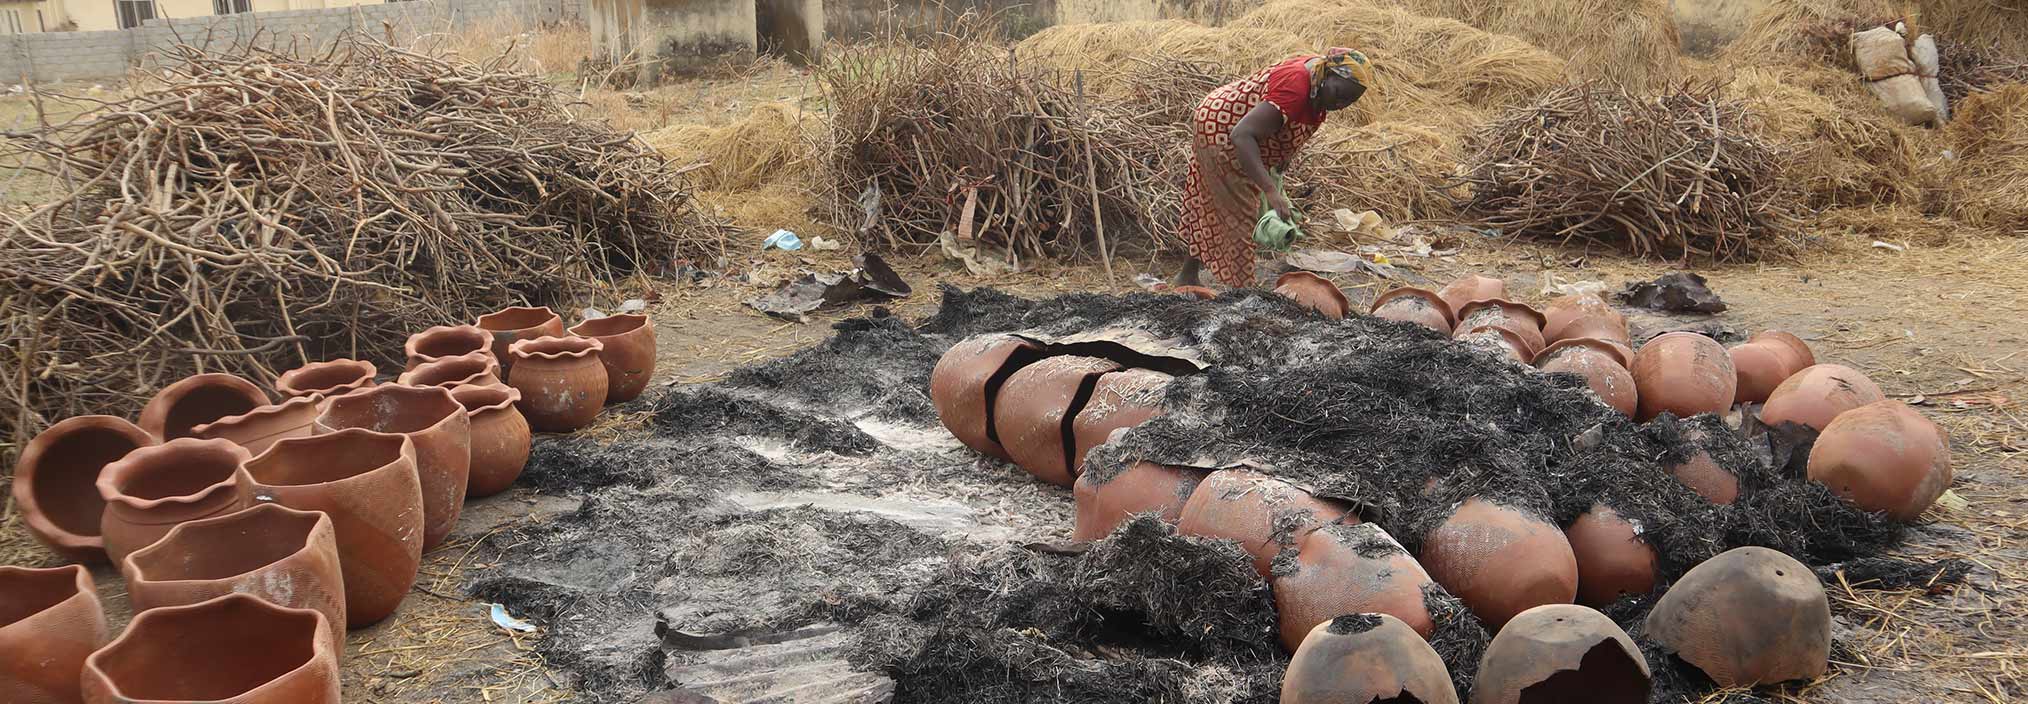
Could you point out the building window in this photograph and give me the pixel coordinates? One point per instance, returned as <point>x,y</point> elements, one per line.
<point>231,7</point>
<point>132,13</point>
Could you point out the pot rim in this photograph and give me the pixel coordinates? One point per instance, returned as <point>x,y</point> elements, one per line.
<point>131,569</point>
<point>511,396</point>
<point>1427,295</point>
<point>31,456</point>
<point>484,338</point>
<point>453,412</point>
<point>109,487</point>
<point>490,366</point>
<point>404,451</point>
<point>1588,342</point>
<point>504,315</point>
<point>587,346</point>
<point>1507,305</point>
<point>286,383</point>
<point>81,585</point>
<point>312,399</point>
<point>1306,278</point>
<point>320,646</point>
<point>638,322</point>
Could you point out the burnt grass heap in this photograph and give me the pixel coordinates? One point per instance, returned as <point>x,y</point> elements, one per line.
<point>1391,417</point>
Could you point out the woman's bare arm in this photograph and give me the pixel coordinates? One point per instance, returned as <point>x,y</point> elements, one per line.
<point>1259,124</point>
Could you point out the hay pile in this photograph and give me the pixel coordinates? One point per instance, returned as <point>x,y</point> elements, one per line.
<point>1633,42</point>
<point>1989,183</point>
<point>1847,151</point>
<point>248,211</point>
<point>774,141</point>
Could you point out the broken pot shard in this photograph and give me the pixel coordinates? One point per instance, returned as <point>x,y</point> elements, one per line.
<point>1562,653</point>
<point>1500,561</point>
<point>1884,456</point>
<point>1816,395</point>
<point>50,621</point>
<point>1365,658</point>
<point>966,380</point>
<point>1263,513</point>
<point>1602,365</point>
<point>1035,409</point>
<point>1143,487</point>
<point>1314,292</point>
<point>1415,305</point>
<point>56,481</point>
<point>1748,616</point>
<point>1349,569</point>
<point>1612,558</point>
<point>1122,399</point>
<point>1683,373</point>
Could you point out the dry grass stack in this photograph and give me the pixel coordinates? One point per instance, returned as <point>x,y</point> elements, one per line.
<point>247,211</point>
<point>1633,42</point>
<point>1989,134</point>
<point>774,141</point>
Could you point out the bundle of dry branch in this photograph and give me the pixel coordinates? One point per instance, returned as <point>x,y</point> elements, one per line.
<point>1685,174</point>
<point>248,211</point>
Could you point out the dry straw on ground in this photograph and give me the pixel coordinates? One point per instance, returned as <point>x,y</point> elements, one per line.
<point>776,141</point>
<point>1989,135</point>
<point>1633,42</point>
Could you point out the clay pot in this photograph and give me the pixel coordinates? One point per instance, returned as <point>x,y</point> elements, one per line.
<point>1816,395</point>
<point>1469,288</point>
<point>1797,353</point>
<point>1366,658</point>
<point>366,482</point>
<point>50,622</point>
<point>262,427</point>
<point>288,557</point>
<point>1122,399</point>
<point>1612,558</point>
<point>968,378</point>
<point>446,341</point>
<point>1609,325</point>
<point>474,368</point>
<point>154,488</point>
<point>1143,487</point>
<point>235,649</point>
<point>1562,311</point>
<point>511,325</point>
<point>197,400</point>
<point>331,378</point>
<point>1199,292</point>
<point>442,434</point>
<point>1603,366</point>
<point>1265,515</point>
<point>1562,653</point>
<point>1760,366</point>
<point>1506,315</point>
<point>1034,408</point>
<point>1884,456</point>
<point>1683,373</point>
<point>562,382</point>
<point>500,439</point>
<point>1314,292</point>
<point>1500,561</point>
<point>56,481</point>
<point>629,354</point>
<point>1703,475</point>
<point>1498,341</point>
<point>1355,569</point>
<point>1748,616</point>
<point>1414,305</point>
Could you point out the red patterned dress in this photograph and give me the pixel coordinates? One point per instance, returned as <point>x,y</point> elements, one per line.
<point>1220,204</point>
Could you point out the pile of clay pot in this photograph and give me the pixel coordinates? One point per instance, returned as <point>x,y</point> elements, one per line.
<point>252,533</point>
<point>1351,600</point>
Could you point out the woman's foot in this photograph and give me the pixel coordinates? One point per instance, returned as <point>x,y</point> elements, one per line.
<point>1190,276</point>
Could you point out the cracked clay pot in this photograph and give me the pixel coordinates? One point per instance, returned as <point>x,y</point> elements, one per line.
<point>1500,561</point>
<point>563,384</point>
<point>968,378</point>
<point>1143,487</point>
<point>629,353</point>
<point>1121,400</point>
<point>1469,288</point>
<point>197,400</point>
<point>441,431</point>
<point>154,488</point>
<point>1884,456</point>
<point>1349,569</point>
<point>56,481</point>
<point>1366,658</point>
<point>1612,558</point>
<point>50,621</point>
<point>1816,395</point>
<point>1264,514</point>
<point>235,649</point>
<point>445,341</point>
<point>366,483</point>
<point>1562,653</point>
<point>1748,616</point>
<point>330,378</point>
<point>1314,292</point>
<point>1506,315</point>
<point>1683,373</point>
<point>510,325</point>
<point>500,437</point>
<point>473,368</point>
<point>1603,366</point>
<point>261,428</point>
<point>1414,305</point>
<point>1036,409</point>
<point>285,556</point>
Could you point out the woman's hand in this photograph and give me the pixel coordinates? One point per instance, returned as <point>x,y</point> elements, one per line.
<point>1282,206</point>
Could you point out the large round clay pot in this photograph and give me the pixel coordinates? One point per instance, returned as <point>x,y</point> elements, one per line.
<point>629,354</point>
<point>1506,315</point>
<point>197,400</point>
<point>1265,515</point>
<point>262,427</point>
<point>1683,373</point>
<point>1761,367</point>
<point>1469,288</point>
<point>56,481</point>
<point>1314,292</point>
<point>1602,365</point>
<point>1884,456</point>
<point>1748,616</point>
<point>1418,306</point>
<point>1349,569</point>
<point>50,621</point>
<point>288,557</point>
<point>1500,561</point>
<point>154,488</point>
<point>442,434</point>
<point>1122,399</point>
<point>474,368</point>
<point>1562,653</point>
<point>511,325</point>
<point>1366,658</point>
<point>366,482</point>
<point>235,649</point>
<point>968,378</point>
<point>446,341</point>
<point>562,382</point>
<point>331,378</point>
<point>1797,353</point>
<point>1500,341</point>
<point>1032,407</point>
<point>1103,503</point>
<point>1816,395</point>
<point>1612,558</point>
<point>500,437</point>
<point>1562,311</point>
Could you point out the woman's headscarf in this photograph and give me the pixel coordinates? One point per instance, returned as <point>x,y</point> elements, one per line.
<point>1344,63</point>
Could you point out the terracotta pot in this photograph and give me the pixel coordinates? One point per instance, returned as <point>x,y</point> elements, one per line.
<point>442,434</point>
<point>154,488</point>
<point>1355,569</point>
<point>562,382</point>
<point>197,400</point>
<point>475,369</point>
<point>1199,292</point>
<point>1506,315</point>
<point>1500,561</point>
<point>56,481</point>
<point>1498,341</point>
<point>1683,373</point>
<point>1414,305</point>
<point>1703,475</point>
<point>1598,326</point>
<point>366,483</point>
<point>50,622</point>
<point>1612,557</point>
<point>1562,653</point>
<point>1760,367</point>
<point>1748,616</point>
<point>1884,456</point>
<point>288,557</point>
<point>1816,395</point>
<point>1562,311</point>
<point>1469,288</point>
<point>262,427</point>
<point>1314,292</point>
<point>500,439</point>
<point>1122,399</point>
<point>1797,353</point>
<point>1603,366</point>
<point>511,325</point>
<point>446,341</point>
<point>332,378</point>
<point>235,649</point>
<point>1143,487</point>
<point>968,378</point>
<point>1366,658</point>
<point>629,354</point>
<point>1034,410</point>
<point>1265,515</point>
